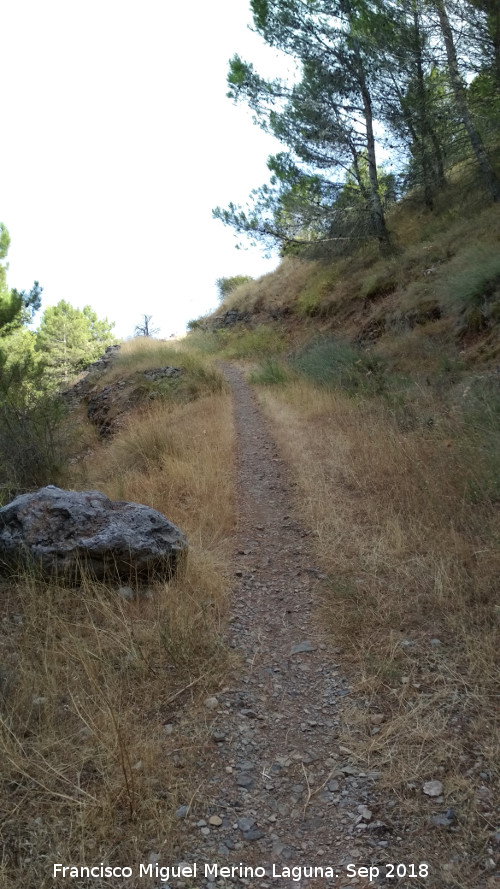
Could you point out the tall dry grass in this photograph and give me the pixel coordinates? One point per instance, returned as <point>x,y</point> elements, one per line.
<point>412,560</point>
<point>102,726</point>
<point>443,279</point>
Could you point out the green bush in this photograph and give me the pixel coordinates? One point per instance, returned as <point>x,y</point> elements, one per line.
<point>378,285</point>
<point>472,277</point>
<point>208,342</point>
<point>309,301</point>
<point>261,341</point>
<point>317,294</point>
<point>481,439</point>
<point>34,444</point>
<point>270,373</point>
<point>340,365</point>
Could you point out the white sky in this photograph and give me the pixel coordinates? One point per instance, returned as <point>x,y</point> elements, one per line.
<point>117,142</point>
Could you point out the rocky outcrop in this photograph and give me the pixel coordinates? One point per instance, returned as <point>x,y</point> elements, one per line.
<point>108,406</point>
<point>65,534</point>
<point>256,316</point>
<point>82,387</point>
<point>229,318</point>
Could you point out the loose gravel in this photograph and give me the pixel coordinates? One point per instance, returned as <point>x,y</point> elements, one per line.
<point>280,793</point>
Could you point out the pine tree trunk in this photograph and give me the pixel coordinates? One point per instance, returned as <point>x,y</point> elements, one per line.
<point>489,177</point>
<point>377,209</point>
<point>417,148</point>
<point>426,129</point>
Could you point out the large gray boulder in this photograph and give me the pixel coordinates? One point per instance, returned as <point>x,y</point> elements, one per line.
<point>64,533</point>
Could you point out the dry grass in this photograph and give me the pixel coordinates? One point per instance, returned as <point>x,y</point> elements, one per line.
<point>410,558</point>
<point>175,459</point>
<point>143,353</point>
<point>200,377</point>
<point>90,680</point>
<point>271,291</point>
<point>445,262</point>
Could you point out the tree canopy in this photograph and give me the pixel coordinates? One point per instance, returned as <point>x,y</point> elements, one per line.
<point>16,307</point>
<point>225,286</point>
<point>418,79</point>
<point>68,339</point>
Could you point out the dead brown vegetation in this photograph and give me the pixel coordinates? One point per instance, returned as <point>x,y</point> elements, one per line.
<point>412,560</point>
<point>101,727</point>
<point>442,282</point>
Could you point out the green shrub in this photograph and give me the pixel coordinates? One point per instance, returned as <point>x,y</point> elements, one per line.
<point>225,286</point>
<point>308,303</point>
<point>471,278</point>
<point>481,439</point>
<point>270,373</point>
<point>377,286</point>
<point>317,293</point>
<point>208,342</point>
<point>338,364</point>
<point>34,444</point>
<point>256,342</point>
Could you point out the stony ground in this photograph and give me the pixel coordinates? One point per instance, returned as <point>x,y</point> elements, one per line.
<point>279,792</point>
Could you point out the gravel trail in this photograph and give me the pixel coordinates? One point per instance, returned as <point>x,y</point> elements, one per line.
<point>279,792</point>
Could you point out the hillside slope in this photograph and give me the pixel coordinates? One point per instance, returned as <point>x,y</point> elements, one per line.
<point>380,380</point>
<point>435,299</point>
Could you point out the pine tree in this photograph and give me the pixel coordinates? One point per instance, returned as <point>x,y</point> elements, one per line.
<point>68,339</point>
<point>326,120</point>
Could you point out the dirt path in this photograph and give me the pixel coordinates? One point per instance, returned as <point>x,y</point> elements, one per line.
<point>278,789</point>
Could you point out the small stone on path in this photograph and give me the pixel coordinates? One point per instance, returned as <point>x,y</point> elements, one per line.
<point>433,788</point>
<point>301,647</point>
<point>211,703</point>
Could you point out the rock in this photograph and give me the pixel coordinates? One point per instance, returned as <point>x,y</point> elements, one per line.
<point>182,812</point>
<point>232,316</point>
<point>153,858</point>
<point>108,405</point>
<point>376,826</point>
<point>245,824</point>
<point>441,821</point>
<point>67,533</point>
<point>252,835</point>
<point>219,737</point>
<point>365,813</point>
<point>244,781</point>
<point>300,647</point>
<point>432,788</point>
<point>215,821</point>
<point>211,703</point>
<point>93,371</point>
